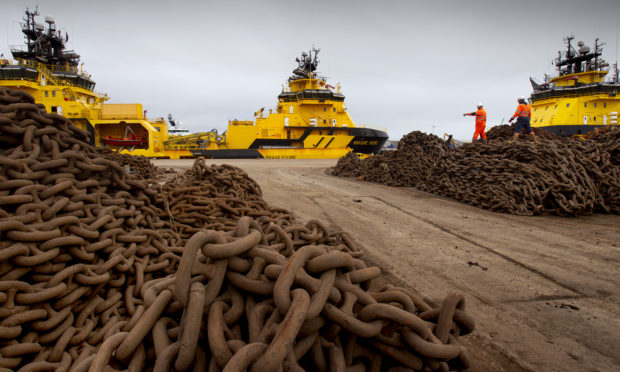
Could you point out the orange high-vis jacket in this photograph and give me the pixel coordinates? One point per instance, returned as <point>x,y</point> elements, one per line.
<point>523,111</point>
<point>481,117</point>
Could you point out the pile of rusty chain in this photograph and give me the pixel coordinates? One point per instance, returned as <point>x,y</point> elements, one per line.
<point>560,177</point>
<point>91,278</point>
<point>139,165</point>
<point>526,178</point>
<point>214,197</point>
<point>506,132</point>
<point>348,166</point>
<point>609,139</point>
<point>410,165</point>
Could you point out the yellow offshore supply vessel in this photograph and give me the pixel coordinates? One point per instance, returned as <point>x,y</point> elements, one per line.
<point>309,121</point>
<point>53,76</point>
<point>578,99</point>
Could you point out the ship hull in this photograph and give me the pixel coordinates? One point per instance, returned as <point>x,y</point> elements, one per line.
<point>367,140</point>
<point>363,140</point>
<point>570,130</point>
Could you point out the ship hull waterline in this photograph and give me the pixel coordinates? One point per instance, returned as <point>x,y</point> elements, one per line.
<point>364,141</point>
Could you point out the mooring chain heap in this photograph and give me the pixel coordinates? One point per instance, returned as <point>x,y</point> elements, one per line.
<point>138,165</point>
<point>506,131</point>
<point>78,238</point>
<point>564,177</point>
<point>100,271</point>
<point>214,197</point>
<point>410,165</point>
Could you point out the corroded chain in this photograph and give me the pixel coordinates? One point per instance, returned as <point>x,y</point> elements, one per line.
<point>567,177</point>
<point>100,269</point>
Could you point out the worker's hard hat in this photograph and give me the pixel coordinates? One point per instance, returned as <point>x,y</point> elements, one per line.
<point>479,104</point>
<point>522,98</point>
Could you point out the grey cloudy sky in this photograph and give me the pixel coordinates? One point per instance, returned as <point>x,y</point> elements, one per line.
<point>402,65</point>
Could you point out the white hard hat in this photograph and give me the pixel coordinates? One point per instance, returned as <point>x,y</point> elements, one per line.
<point>479,104</point>
<point>522,98</point>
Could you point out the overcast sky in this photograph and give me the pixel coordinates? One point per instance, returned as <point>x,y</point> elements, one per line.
<point>402,65</point>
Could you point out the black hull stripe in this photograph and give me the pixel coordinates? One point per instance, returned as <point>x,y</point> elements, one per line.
<point>228,154</point>
<point>570,130</point>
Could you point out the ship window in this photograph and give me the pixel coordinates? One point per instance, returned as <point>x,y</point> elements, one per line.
<point>585,104</point>
<point>53,93</point>
<point>546,107</point>
<point>594,104</point>
<point>291,109</point>
<point>535,109</point>
<point>324,109</point>
<point>324,121</point>
<point>568,104</point>
<point>595,118</point>
<point>604,104</point>
<point>334,109</point>
<point>556,106</point>
<point>47,93</point>
<point>54,109</point>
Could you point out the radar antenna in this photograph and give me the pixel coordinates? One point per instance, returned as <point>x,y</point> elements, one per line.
<point>171,120</point>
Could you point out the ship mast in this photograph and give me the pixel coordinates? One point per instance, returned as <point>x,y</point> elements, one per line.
<point>47,46</point>
<point>582,60</point>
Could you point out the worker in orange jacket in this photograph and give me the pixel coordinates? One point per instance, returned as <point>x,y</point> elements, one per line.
<point>523,115</point>
<point>481,122</point>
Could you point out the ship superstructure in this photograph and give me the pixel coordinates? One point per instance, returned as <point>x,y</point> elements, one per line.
<point>309,121</point>
<point>578,99</point>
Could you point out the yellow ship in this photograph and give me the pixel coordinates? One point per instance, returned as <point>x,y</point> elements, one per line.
<point>309,121</point>
<point>55,78</point>
<point>578,99</point>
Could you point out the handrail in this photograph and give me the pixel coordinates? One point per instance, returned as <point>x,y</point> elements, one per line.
<point>47,73</point>
<point>52,68</point>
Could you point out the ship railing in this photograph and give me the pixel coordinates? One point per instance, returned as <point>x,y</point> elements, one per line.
<point>52,68</point>
<point>48,74</point>
<point>576,92</point>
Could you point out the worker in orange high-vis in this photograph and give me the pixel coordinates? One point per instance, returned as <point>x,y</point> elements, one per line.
<point>523,115</point>
<point>481,122</point>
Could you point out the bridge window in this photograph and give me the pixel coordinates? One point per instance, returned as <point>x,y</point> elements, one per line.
<point>604,104</point>
<point>47,94</point>
<point>568,105</point>
<point>324,109</point>
<point>594,104</point>
<point>546,107</point>
<point>53,93</point>
<point>585,104</point>
<point>334,109</point>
